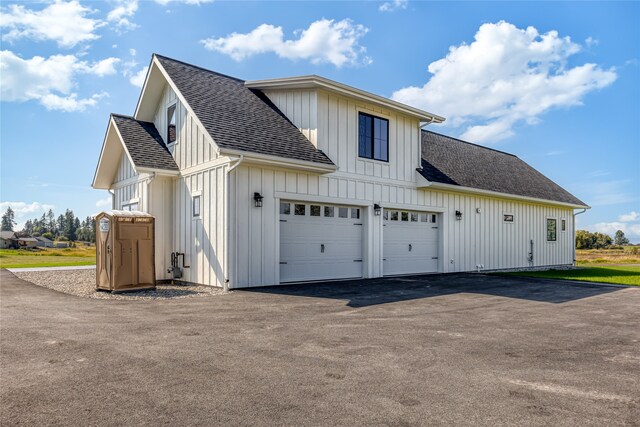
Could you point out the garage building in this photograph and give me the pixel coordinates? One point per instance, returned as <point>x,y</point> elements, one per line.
<point>304,179</point>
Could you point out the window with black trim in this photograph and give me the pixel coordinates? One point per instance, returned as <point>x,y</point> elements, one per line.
<point>507,217</point>
<point>552,225</point>
<point>563,225</point>
<point>373,137</point>
<point>171,124</point>
<point>196,206</point>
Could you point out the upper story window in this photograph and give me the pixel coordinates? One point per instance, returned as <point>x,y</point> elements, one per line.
<point>373,137</point>
<point>551,229</point>
<point>171,124</point>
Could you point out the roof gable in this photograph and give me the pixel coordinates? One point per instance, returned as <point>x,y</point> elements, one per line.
<point>451,161</point>
<point>238,118</point>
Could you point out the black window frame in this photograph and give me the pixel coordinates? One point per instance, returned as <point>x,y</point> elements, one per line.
<point>373,138</point>
<point>196,206</point>
<point>554,232</point>
<point>169,125</point>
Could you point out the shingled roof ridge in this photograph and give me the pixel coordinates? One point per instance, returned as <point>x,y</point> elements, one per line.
<point>126,116</point>
<point>200,68</point>
<point>467,142</point>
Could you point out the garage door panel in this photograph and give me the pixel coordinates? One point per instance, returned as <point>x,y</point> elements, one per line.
<point>411,246</point>
<point>319,247</point>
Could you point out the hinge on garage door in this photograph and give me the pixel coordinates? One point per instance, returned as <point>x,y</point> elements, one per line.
<point>357,224</point>
<point>283,262</point>
<point>434,257</point>
<point>283,220</point>
<point>434,227</point>
<point>357,260</point>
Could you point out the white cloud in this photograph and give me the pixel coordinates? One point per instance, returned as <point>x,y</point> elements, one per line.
<point>121,15</point>
<point>191,2</point>
<point>25,211</point>
<point>630,217</point>
<point>106,202</point>
<point>590,42</point>
<point>390,6</point>
<point>506,76</point>
<point>325,41</point>
<point>138,78</point>
<point>66,23</point>
<point>51,81</point>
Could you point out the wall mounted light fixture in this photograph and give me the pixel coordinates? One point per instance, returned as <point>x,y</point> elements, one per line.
<point>376,209</point>
<point>257,199</point>
<point>458,215</point>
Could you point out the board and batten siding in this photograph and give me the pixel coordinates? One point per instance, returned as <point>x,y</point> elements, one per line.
<point>479,238</point>
<point>193,144</point>
<point>201,238</point>
<point>330,122</point>
<point>128,186</point>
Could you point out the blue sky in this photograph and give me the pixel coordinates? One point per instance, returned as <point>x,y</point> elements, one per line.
<point>556,83</point>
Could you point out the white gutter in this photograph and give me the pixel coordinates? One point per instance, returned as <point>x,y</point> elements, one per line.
<point>575,260</point>
<point>227,227</point>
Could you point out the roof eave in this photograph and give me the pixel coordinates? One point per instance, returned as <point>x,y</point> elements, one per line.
<point>313,81</point>
<point>463,189</point>
<point>251,157</point>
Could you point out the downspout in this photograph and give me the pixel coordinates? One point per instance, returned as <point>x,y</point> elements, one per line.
<point>573,226</point>
<point>227,226</point>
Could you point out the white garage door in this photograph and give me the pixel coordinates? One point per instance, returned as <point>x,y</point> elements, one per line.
<point>410,242</point>
<point>319,242</point>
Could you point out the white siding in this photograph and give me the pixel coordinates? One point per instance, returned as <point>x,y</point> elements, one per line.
<point>479,238</point>
<point>201,239</point>
<point>125,169</point>
<point>301,107</point>
<point>193,144</point>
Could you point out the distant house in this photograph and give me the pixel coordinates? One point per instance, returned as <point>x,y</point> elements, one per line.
<point>8,239</point>
<point>27,242</point>
<point>61,245</point>
<point>43,242</point>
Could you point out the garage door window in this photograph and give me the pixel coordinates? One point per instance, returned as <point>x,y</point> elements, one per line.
<point>404,216</point>
<point>300,209</point>
<point>355,213</point>
<point>343,212</point>
<point>414,217</point>
<point>424,217</point>
<point>285,208</point>
<point>394,216</point>
<point>314,210</point>
<point>328,211</point>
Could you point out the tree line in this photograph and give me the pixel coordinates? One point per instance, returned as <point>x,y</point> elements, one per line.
<point>63,227</point>
<point>587,240</point>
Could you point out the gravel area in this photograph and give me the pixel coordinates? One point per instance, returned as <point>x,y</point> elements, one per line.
<point>82,283</point>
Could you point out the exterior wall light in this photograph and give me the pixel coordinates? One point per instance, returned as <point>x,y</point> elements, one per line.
<point>257,199</point>
<point>376,209</point>
<point>458,215</point>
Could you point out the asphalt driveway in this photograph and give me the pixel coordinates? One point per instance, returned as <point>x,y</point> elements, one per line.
<point>430,350</point>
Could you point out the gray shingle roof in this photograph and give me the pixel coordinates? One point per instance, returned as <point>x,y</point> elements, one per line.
<point>452,161</point>
<point>238,118</point>
<point>7,234</point>
<point>144,143</point>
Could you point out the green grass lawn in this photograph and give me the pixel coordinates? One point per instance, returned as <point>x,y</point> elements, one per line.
<point>616,275</point>
<point>21,258</point>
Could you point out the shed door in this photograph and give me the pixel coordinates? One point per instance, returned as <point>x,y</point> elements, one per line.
<point>319,242</point>
<point>410,242</point>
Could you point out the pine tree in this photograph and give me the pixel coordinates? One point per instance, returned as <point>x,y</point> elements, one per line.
<point>8,220</point>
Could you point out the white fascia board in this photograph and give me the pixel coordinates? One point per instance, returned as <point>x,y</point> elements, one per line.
<point>313,81</point>
<point>159,172</point>
<point>462,189</point>
<point>100,166</point>
<point>280,162</point>
<point>183,101</point>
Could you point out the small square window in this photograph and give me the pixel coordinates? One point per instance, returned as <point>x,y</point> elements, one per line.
<point>404,216</point>
<point>563,225</point>
<point>507,218</point>
<point>196,206</point>
<point>433,218</point>
<point>314,210</point>
<point>355,213</point>
<point>414,217</point>
<point>328,212</point>
<point>424,217</point>
<point>343,212</point>
<point>385,215</point>
<point>300,210</point>
<point>551,229</point>
<point>285,208</point>
<point>394,215</point>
